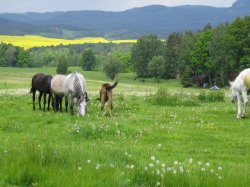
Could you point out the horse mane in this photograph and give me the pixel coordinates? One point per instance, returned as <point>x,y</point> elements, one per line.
<point>77,84</point>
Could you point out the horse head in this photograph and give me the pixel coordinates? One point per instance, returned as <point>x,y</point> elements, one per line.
<point>234,92</point>
<point>82,104</point>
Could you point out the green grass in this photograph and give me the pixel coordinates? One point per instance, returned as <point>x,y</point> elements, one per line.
<point>55,149</point>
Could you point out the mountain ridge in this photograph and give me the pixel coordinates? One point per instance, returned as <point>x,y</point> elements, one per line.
<point>131,23</point>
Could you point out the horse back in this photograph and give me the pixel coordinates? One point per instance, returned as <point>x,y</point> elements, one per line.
<point>57,84</point>
<point>246,79</point>
<point>41,82</point>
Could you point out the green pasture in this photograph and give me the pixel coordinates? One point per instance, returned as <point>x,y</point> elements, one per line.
<point>176,140</point>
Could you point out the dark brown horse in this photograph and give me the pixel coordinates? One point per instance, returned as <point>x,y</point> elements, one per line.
<point>41,83</point>
<point>106,95</point>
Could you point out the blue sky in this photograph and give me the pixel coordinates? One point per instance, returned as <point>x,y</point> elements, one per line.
<point>108,5</point>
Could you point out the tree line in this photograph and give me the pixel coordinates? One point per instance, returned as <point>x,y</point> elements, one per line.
<point>212,56</point>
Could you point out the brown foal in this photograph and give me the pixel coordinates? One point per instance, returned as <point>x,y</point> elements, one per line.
<point>106,95</point>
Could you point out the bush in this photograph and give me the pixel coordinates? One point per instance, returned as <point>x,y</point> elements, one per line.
<point>211,96</point>
<point>62,66</point>
<point>112,67</point>
<point>166,98</point>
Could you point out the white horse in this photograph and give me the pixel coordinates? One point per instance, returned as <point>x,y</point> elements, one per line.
<point>240,87</point>
<point>74,86</point>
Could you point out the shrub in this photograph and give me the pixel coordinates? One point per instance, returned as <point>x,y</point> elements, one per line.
<point>62,65</point>
<point>211,96</point>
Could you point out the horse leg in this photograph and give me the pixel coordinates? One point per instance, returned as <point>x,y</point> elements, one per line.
<point>34,98</point>
<point>239,106</point>
<point>49,101</point>
<point>110,104</point>
<point>245,100</point>
<point>44,100</point>
<point>60,103</point>
<point>54,102</point>
<point>71,105</point>
<point>39,100</point>
<point>66,103</point>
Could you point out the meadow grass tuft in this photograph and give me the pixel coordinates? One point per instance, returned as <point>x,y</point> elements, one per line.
<point>212,96</point>
<point>164,97</point>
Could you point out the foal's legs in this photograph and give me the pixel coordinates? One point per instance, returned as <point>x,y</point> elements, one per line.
<point>39,100</point>
<point>110,103</point>
<point>245,100</point>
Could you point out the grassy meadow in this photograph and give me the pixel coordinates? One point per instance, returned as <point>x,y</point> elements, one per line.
<point>29,41</point>
<point>161,135</point>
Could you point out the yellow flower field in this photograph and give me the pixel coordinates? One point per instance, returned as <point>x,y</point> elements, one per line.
<point>29,41</point>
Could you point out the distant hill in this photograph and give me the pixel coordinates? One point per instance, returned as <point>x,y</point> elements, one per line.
<point>132,23</point>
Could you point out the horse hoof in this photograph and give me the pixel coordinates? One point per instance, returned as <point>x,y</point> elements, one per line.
<point>243,116</point>
<point>238,117</point>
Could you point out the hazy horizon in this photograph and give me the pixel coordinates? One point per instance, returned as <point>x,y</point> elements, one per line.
<point>22,6</point>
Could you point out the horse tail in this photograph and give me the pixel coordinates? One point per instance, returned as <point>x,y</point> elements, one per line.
<point>112,86</point>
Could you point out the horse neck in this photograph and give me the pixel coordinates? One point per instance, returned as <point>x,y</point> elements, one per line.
<point>78,86</point>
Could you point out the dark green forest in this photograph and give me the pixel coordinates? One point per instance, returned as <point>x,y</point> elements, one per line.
<point>213,55</point>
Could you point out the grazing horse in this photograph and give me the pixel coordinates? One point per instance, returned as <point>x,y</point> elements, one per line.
<point>41,83</point>
<point>106,95</point>
<point>56,86</point>
<point>240,86</point>
<point>74,86</point>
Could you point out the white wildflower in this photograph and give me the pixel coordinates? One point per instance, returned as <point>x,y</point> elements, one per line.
<point>158,183</point>
<point>203,169</point>
<point>151,165</point>
<point>79,168</point>
<point>169,169</point>
<point>219,168</point>
<point>212,171</point>
<point>190,161</point>
<point>132,166</point>
<point>199,163</point>
<point>163,165</point>
<point>88,161</point>
<point>158,172</point>
<point>175,162</point>
<point>157,161</point>
<point>174,171</point>
<point>159,145</point>
<point>152,157</point>
<point>97,166</point>
<point>207,164</point>
<point>146,168</point>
